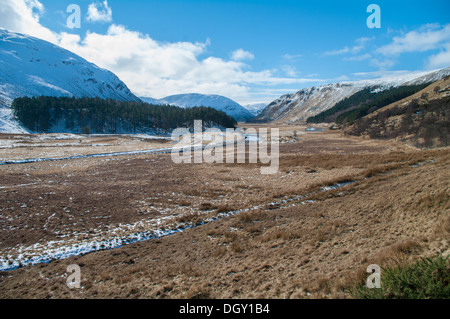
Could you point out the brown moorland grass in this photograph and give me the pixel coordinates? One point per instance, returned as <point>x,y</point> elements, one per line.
<point>393,214</point>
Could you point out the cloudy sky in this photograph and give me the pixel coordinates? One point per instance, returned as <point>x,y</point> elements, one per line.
<point>251,51</point>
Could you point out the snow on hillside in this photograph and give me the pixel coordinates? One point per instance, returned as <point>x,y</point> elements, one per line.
<point>429,77</point>
<point>34,67</point>
<point>217,102</point>
<point>255,109</point>
<point>151,100</point>
<point>221,103</point>
<point>297,107</point>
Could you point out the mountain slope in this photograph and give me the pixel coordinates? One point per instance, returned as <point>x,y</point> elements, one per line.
<point>297,107</point>
<point>364,102</point>
<point>151,100</point>
<point>34,67</point>
<point>255,109</point>
<point>217,102</point>
<point>421,119</point>
<point>45,114</point>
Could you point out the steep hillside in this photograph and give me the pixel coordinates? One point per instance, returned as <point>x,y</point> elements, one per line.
<point>297,107</point>
<point>292,108</point>
<point>34,67</point>
<point>364,102</point>
<point>422,119</point>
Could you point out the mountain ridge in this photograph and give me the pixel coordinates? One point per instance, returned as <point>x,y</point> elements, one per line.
<point>297,107</point>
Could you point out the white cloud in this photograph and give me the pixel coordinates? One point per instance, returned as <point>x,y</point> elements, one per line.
<point>148,67</point>
<point>383,74</point>
<point>155,69</point>
<point>360,44</point>
<point>342,78</point>
<point>382,64</point>
<point>440,60</point>
<point>358,47</point>
<point>240,55</point>
<point>290,70</point>
<point>23,16</point>
<point>361,57</point>
<point>428,37</point>
<point>338,52</point>
<point>292,57</point>
<point>99,12</point>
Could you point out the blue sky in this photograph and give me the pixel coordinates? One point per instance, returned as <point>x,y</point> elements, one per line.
<point>251,51</point>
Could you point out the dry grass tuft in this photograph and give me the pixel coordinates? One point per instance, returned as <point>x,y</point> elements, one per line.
<point>193,218</point>
<point>281,234</point>
<point>225,209</point>
<point>207,206</point>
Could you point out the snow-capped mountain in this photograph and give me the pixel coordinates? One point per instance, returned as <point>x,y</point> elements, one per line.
<point>297,107</point>
<point>255,109</point>
<point>151,100</point>
<point>34,67</point>
<point>218,102</point>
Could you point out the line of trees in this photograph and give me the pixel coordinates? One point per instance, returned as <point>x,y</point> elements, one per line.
<point>94,115</point>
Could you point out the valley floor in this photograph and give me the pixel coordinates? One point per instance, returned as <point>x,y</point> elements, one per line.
<point>336,205</point>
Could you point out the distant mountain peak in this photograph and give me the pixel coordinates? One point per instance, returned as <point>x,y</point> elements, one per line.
<point>218,102</point>
<point>256,108</point>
